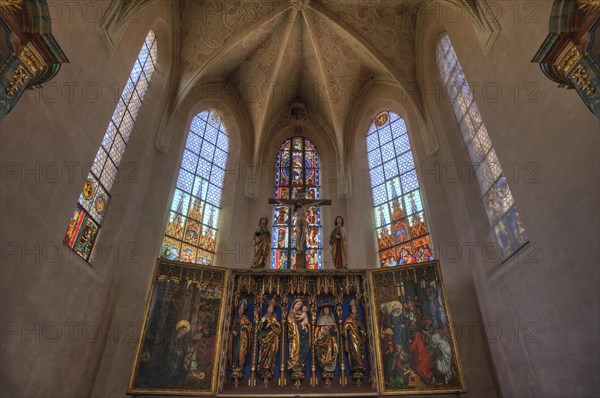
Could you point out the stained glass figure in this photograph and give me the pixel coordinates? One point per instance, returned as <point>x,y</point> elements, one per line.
<point>95,195</point>
<point>296,177</point>
<point>191,231</point>
<point>499,204</point>
<point>402,231</point>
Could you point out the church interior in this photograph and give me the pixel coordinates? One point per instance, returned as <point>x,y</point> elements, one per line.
<point>300,198</point>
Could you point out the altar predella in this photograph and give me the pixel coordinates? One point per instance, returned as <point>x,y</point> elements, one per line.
<point>247,332</point>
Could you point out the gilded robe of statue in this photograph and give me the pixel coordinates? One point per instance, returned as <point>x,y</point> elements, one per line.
<point>269,329</point>
<point>241,335</point>
<point>356,336</point>
<point>262,244</point>
<point>325,341</point>
<point>298,337</point>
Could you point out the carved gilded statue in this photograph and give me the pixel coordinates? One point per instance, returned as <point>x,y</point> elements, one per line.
<point>269,330</point>
<point>240,342</point>
<point>339,244</point>
<point>298,339</point>
<point>262,244</point>
<point>326,334</point>
<point>356,336</point>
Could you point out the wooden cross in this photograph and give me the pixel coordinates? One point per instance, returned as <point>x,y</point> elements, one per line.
<point>296,206</point>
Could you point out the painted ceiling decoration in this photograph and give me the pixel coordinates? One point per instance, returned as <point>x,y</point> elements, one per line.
<point>324,54</point>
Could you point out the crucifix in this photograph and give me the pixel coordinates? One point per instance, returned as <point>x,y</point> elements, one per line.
<point>297,206</point>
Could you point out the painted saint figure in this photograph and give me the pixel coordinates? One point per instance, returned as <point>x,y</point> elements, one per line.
<point>299,341</point>
<point>326,334</point>
<point>262,244</point>
<point>339,244</point>
<point>240,342</point>
<point>178,355</point>
<point>269,330</point>
<point>356,336</point>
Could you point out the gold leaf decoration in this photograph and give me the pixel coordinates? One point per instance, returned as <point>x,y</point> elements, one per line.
<point>11,6</point>
<point>588,5</point>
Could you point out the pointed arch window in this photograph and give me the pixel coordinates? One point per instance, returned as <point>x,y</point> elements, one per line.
<point>401,228</point>
<point>297,177</point>
<point>191,231</point>
<point>502,213</point>
<point>96,193</point>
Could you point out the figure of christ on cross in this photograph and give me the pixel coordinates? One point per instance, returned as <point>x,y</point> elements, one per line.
<point>297,206</point>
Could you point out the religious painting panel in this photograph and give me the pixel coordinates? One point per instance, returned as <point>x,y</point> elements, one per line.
<point>177,351</point>
<point>415,342</point>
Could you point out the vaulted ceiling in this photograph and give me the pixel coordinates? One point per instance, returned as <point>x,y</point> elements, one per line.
<point>318,52</point>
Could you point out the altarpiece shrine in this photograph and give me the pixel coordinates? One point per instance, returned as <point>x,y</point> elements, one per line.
<point>242,332</point>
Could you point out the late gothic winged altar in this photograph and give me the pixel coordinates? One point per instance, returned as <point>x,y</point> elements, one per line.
<point>241,332</point>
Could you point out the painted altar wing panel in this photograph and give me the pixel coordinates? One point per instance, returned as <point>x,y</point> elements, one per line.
<point>415,344</point>
<point>177,353</point>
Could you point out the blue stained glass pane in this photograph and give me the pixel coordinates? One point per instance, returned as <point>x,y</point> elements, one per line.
<point>214,195</point>
<point>128,91</point>
<point>109,136</point>
<point>385,135</point>
<point>211,134</point>
<point>200,187</point>
<point>374,158</point>
<point>379,195</point>
<point>394,117</point>
<point>203,115</point>
<point>145,52</point>
<point>99,161</point>
<point>207,151</point>
<point>377,176</point>
<point>408,203</point>
<point>117,149</point>
<point>223,142</point>
<point>382,215</point>
<point>185,180</point>
<point>198,126</point>
<point>189,161</point>
<point>393,188</point>
<point>406,162</point>
<point>409,181</point>
<point>135,103</point>
<point>141,86</point>
<point>220,158</point>
<point>126,126</point>
<point>136,71</point>
<point>387,152</point>
<point>372,140</point>
<point>391,169</point>
<point>217,176</point>
<point>402,144</point>
<point>119,112</point>
<point>203,168</point>
<point>399,128</point>
<point>108,175</point>
<point>372,129</point>
<point>193,143</point>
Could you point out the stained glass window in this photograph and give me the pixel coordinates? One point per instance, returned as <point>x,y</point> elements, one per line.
<point>297,177</point>
<point>401,228</point>
<point>502,213</point>
<point>95,196</point>
<point>191,231</point>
